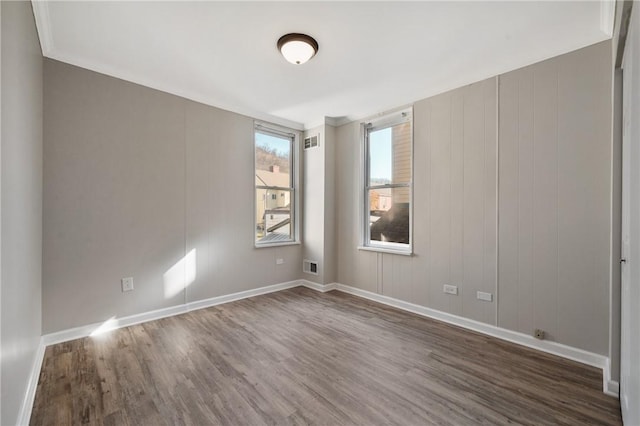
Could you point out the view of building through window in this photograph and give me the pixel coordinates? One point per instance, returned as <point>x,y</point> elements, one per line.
<point>389,183</point>
<point>274,188</point>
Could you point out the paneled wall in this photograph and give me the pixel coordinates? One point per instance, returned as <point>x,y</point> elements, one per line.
<point>454,196</point>
<point>139,183</point>
<point>512,187</point>
<point>555,188</point>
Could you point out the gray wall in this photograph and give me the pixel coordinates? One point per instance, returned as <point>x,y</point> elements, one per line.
<point>544,171</point>
<point>454,196</point>
<point>136,179</point>
<point>555,198</point>
<point>21,198</point>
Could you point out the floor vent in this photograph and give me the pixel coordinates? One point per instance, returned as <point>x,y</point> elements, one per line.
<point>310,267</point>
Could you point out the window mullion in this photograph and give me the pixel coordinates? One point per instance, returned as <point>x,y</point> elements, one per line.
<point>277,188</point>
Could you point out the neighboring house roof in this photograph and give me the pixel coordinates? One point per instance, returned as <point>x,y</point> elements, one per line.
<point>267,178</point>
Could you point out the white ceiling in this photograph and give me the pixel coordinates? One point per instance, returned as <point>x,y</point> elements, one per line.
<point>373,56</point>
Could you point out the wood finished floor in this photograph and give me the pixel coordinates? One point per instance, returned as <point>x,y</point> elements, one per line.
<point>302,357</point>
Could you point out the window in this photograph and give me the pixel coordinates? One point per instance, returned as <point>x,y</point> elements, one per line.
<point>387,213</point>
<point>275,167</point>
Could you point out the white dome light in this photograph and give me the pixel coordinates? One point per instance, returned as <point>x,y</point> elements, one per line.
<point>297,48</point>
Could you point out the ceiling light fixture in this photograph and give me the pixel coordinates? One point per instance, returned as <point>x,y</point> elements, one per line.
<point>297,48</point>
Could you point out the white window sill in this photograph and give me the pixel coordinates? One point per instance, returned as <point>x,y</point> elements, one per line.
<point>284,243</point>
<point>386,250</point>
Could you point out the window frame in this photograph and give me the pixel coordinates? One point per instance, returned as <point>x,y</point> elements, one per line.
<point>294,175</point>
<point>379,123</point>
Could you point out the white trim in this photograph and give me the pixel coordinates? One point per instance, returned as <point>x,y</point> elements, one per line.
<point>326,121</point>
<point>149,82</point>
<point>43,25</point>
<point>379,249</point>
<point>275,244</point>
<point>87,330</point>
<point>295,181</point>
<point>611,387</point>
<point>383,121</point>
<point>113,324</point>
<point>24,415</point>
<point>333,121</point>
<point>323,288</point>
<point>574,354</point>
<point>607,16</point>
<point>206,303</point>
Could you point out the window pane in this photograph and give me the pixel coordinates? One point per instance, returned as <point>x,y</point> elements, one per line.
<point>390,155</point>
<point>389,215</point>
<point>273,160</point>
<point>273,215</point>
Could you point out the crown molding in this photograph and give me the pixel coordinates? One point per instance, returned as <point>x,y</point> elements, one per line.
<point>607,16</point>
<point>43,25</point>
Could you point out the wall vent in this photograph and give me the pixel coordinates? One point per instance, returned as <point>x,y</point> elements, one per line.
<point>310,142</point>
<point>310,267</point>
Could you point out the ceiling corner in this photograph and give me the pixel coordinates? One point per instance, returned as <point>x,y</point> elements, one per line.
<point>333,121</point>
<point>607,16</point>
<point>43,24</point>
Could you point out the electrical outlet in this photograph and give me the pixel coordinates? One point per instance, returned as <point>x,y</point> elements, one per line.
<point>279,261</point>
<point>127,284</point>
<point>450,289</point>
<point>487,297</point>
<point>538,334</point>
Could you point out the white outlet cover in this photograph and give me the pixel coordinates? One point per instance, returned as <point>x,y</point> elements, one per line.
<point>279,261</point>
<point>481,295</point>
<point>127,284</point>
<point>450,289</point>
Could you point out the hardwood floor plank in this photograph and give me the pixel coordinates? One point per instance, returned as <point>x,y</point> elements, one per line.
<point>298,357</point>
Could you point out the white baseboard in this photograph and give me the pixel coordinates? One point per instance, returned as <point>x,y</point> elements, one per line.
<point>575,354</point>
<point>24,415</point>
<point>318,287</point>
<point>200,304</point>
<point>115,323</point>
<point>610,387</point>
